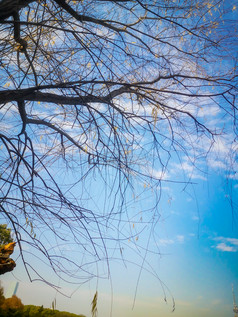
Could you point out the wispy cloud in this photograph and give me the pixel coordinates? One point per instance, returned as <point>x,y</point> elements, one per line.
<point>157,173</point>
<point>177,239</point>
<point>165,242</point>
<point>188,169</point>
<point>216,302</point>
<point>216,164</point>
<point>226,244</point>
<point>233,241</point>
<point>233,176</point>
<point>180,238</point>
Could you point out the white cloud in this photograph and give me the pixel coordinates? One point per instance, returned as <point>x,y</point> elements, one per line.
<point>214,163</point>
<point>226,244</point>
<point>223,145</point>
<point>203,111</point>
<point>189,169</point>
<point>198,176</point>
<point>206,155</point>
<point>232,241</point>
<point>225,248</point>
<point>233,176</point>
<point>211,111</point>
<point>158,174</point>
<point>165,242</point>
<point>180,238</point>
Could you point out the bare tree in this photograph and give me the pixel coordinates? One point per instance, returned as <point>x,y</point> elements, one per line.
<point>96,98</point>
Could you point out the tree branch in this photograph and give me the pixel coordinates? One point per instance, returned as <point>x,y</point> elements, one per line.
<point>29,95</point>
<point>22,111</point>
<point>8,8</point>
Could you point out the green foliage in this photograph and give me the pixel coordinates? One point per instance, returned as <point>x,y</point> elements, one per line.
<point>31,310</point>
<point>10,307</point>
<point>5,235</point>
<point>39,311</point>
<point>34,311</point>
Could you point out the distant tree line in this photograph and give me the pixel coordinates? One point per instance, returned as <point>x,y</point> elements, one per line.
<point>14,307</point>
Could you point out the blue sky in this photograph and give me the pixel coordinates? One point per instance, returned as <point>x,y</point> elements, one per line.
<point>198,240</point>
